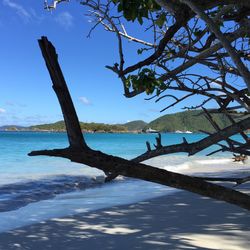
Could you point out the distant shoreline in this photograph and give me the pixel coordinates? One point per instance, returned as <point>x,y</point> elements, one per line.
<point>100,132</point>
<point>182,122</point>
<point>64,131</point>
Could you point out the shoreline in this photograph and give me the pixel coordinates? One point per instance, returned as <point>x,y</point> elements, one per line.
<point>104,132</point>
<point>181,220</point>
<point>119,193</point>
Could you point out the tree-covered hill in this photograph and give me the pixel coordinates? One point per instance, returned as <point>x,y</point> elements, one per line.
<point>60,126</point>
<point>12,128</point>
<point>135,125</point>
<point>188,120</point>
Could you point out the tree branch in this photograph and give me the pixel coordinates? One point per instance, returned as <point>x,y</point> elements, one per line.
<point>238,33</point>
<point>238,181</point>
<point>224,41</point>
<point>118,165</point>
<point>59,85</point>
<point>195,147</point>
<point>158,52</point>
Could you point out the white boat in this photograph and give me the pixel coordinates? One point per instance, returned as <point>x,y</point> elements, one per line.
<point>150,130</point>
<point>183,132</point>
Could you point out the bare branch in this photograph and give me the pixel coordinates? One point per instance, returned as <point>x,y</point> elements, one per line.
<point>125,35</point>
<point>238,33</point>
<point>224,41</point>
<point>53,5</point>
<point>117,165</point>
<point>59,85</point>
<point>167,37</point>
<point>195,147</point>
<point>238,181</point>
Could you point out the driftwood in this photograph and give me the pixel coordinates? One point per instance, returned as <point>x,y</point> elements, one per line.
<point>240,157</point>
<point>78,150</point>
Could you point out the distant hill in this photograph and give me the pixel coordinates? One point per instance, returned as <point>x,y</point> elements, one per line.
<point>12,128</point>
<point>135,125</point>
<point>183,121</point>
<point>60,126</point>
<point>187,120</point>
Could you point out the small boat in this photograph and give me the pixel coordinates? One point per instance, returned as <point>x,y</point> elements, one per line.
<point>150,130</point>
<point>179,132</point>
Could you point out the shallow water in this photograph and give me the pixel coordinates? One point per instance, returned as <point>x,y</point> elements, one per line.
<point>38,188</point>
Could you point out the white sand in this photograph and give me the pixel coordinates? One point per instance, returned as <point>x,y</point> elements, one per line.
<point>178,221</point>
<point>181,220</point>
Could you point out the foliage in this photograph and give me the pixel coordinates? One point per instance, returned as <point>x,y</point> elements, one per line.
<point>135,125</point>
<point>134,9</point>
<point>60,126</point>
<point>188,120</point>
<point>145,80</point>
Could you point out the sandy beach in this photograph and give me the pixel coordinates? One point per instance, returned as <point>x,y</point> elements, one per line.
<point>181,220</point>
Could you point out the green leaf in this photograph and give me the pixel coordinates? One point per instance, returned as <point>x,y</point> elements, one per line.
<point>120,8</point>
<point>197,32</point>
<point>136,9</point>
<point>160,20</point>
<point>139,51</point>
<point>139,18</point>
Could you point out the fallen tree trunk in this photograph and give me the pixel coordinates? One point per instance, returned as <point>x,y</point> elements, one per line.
<point>79,152</point>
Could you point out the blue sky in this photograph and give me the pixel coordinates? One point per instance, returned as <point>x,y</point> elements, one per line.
<point>26,96</point>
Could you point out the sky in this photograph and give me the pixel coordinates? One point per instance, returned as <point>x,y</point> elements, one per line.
<point>26,96</point>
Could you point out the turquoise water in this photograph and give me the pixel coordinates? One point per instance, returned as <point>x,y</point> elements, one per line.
<point>60,187</point>
<point>17,166</point>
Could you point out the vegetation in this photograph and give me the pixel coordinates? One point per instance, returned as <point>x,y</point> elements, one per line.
<point>135,125</point>
<point>12,128</point>
<point>189,120</point>
<point>60,126</point>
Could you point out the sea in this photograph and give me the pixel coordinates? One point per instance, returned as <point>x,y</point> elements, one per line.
<point>38,188</point>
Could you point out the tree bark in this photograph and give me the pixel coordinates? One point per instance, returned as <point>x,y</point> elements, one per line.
<point>74,132</point>
<point>81,153</point>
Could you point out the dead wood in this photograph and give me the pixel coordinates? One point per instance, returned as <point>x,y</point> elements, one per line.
<point>79,152</point>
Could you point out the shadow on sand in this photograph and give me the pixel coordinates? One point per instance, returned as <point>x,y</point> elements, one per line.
<point>178,221</point>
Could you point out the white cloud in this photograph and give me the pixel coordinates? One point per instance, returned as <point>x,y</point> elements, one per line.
<point>2,110</point>
<point>65,19</point>
<point>85,100</point>
<point>20,10</point>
